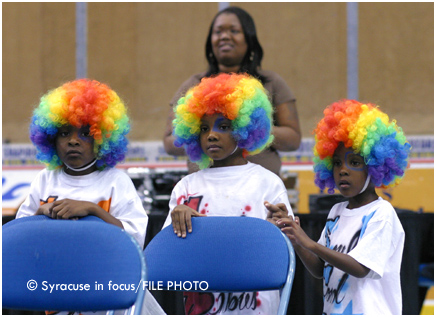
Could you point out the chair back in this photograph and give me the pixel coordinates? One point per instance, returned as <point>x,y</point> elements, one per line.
<point>231,254</point>
<point>70,265</point>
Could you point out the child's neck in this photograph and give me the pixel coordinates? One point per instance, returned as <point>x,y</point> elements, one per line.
<point>230,161</point>
<point>362,199</point>
<point>223,164</point>
<point>234,159</point>
<point>84,170</point>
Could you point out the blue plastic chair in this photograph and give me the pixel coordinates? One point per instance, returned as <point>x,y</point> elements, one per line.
<point>67,265</point>
<point>26,219</point>
<point>232,254</point>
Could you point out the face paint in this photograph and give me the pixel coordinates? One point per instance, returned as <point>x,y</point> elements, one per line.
<point>217,126</point>
<point>350,172</point>
<point>352,167</point>
<point>75,148</point>
<point>217,140</point>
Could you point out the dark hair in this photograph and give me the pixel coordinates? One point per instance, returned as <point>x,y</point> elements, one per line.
<point>254,55</point>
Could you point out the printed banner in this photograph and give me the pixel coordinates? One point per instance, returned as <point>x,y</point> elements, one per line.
<point>20,165</point>
<point>152,154</point>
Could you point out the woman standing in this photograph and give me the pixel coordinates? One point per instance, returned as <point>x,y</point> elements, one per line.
<point>232,46</point>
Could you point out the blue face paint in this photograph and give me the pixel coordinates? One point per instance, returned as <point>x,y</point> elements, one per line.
<point>218,123</point>
<point>82,133</point>
<point>358,169</point>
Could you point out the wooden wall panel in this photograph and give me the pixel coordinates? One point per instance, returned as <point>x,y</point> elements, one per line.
<point>38,49</point>
<point>150,49</point>
<point>144,51</point>
<point>397,61</point>
<point>305,43</point>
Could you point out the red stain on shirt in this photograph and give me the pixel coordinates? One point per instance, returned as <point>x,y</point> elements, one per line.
<point>181,200</point>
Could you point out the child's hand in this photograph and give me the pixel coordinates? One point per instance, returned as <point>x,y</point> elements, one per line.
<point>45,210</point>
<point>291,227</point>
<point>276,212</point>
<point>181,219</point>
<point>68,208</point>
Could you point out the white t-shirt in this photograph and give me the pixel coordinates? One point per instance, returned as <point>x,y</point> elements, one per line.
<point>231,191</point>
<point>374,237</point>
<point>111,189</point>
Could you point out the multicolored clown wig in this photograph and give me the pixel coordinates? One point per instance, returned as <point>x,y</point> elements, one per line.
<point>368,131</point>
<point>80,103</point>
<point>238,97</point>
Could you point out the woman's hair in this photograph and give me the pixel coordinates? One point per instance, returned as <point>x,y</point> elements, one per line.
<point>254,55</point>
<point>238,97</point>
<point>368,131</point>
<point>81,103</point>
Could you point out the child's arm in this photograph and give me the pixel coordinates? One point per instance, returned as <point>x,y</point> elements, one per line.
<point>181,219</point>
<point>309,250</point>
<point>69,208</point>
<point>312,262</point>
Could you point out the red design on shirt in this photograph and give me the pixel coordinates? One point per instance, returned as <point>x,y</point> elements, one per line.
<point>192,201</point>
<point>197,303</point>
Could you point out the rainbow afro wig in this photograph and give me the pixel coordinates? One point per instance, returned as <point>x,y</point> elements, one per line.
<point>80,103</point>
<point>238,97</point>
<point>368,131</point>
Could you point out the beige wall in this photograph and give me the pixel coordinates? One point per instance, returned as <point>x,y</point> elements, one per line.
<point>144,51</point>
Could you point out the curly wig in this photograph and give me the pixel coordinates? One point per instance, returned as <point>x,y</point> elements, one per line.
<point>368,131</point>
<point>238,97</point>
<point>81,102</point>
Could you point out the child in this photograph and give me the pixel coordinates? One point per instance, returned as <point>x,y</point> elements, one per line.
<point>79,131</point>
<point>360,250</point>
<point>220,122</point>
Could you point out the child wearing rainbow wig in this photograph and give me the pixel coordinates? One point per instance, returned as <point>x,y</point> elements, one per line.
<point>241,99</point>
<point>357,148</point>
<point>368,131</point>
<point>79,130</point>
<point>220,122</point>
